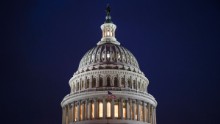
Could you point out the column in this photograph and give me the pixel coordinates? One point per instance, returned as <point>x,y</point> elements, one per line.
<point>86,112</point>
<point>133,112</point>
<point>63,115</point>
<point>69,113</point>
<point>119,81</point>
<point>131,109</point>
<point>96,108</point>
<point>151,115</point>
<point>78,109</point>
<point>90,82</point>
<point>97,82</point>
<point>126,82</point>
<point>104,108</point>
<point>138,110</point>
<point>120,108</point>
<point>112,108</point>
<point>89,110</point>
<point>73,112</point>
<point>127,109</point>
<point>82,111</point>
<point>144,112</point>
<point>148,110</point>
<point>155,116</point>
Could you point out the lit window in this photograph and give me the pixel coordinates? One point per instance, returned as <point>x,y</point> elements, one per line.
<point>108,55</point>
<point>124,109</point>
<point>108,109</point>
<point>116,109</point>
<point>119,56</point>
<point>81,111</point>
<point>108,33</point>
<point>93,110</point>
<point>100,109</point>
<point>76,112</point>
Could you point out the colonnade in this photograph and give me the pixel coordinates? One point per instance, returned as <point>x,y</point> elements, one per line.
<point>107,108</point>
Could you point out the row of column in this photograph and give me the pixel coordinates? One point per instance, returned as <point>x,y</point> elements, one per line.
<point>109,108</point>
<point>95,82</point>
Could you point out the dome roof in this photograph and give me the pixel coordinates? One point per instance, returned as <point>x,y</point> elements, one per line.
<point>108,56</point>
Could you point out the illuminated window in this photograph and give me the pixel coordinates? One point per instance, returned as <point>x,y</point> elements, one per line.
<point>108,55</point>
<point>76,112</point>
<point>81,112</point>
<point>100,109</point>
<point>108,109</point>
<point>116,109</point>
<point>108,33</point>
<point>124,109</point>
<point>93,110</point>
<point>135,111</point>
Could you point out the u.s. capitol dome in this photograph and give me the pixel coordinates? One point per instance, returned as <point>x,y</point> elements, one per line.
<point>108,87</point>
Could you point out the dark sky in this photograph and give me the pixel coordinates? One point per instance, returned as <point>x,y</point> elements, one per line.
<point>176,43</point>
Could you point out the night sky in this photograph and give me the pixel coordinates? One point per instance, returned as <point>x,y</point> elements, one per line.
<point>176,42</point>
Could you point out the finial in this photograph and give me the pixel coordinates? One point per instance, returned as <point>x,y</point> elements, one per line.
<point>108,10</point>
<point>108,17</point>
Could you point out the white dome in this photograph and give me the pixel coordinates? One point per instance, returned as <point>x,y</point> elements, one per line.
<point>108,56</point>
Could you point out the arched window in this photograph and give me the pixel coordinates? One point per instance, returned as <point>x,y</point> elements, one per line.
<point>116,82</point>
<point>100,109</point>
<point>100,82</point>
<point>108,109</point>
<point>93,82</point>
<point>108,82</point>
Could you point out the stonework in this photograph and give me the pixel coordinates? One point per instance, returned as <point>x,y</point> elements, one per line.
<point>108,87</point>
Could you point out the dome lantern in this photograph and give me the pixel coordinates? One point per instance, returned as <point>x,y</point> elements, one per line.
<point>108,30</point>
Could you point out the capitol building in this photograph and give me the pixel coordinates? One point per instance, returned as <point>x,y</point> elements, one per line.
<point>108,87</point>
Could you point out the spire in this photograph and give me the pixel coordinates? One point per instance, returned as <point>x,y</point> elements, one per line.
<point>108,17</point>
<point>108,29</point>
